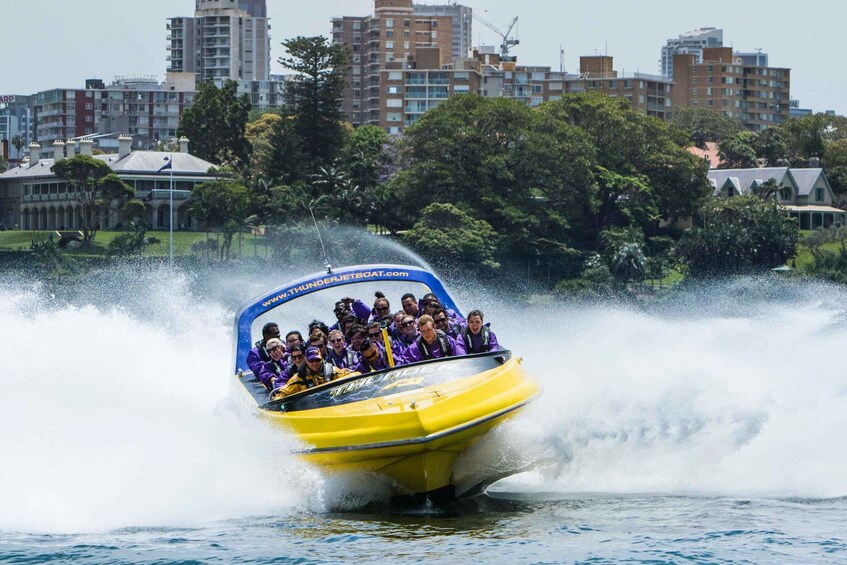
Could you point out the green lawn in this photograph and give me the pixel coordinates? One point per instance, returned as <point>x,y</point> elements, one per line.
<point>250,245</point>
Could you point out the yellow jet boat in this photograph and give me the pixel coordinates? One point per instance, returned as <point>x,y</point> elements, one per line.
<point>409,423</point>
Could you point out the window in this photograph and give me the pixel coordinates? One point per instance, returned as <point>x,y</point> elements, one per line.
<point>395,75</point>
<point>818,195</point>
<point>389,45</point>
<point>393,90</point>
<point>394,103</point>
<point>389,23</point>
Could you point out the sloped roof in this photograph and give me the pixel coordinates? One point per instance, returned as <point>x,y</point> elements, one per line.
<point>711,153</point>
<point>806,179</point>
<point>137,162</point>
<point>743,179</point>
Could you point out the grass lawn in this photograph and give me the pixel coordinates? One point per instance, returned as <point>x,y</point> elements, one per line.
<point>250,245</point>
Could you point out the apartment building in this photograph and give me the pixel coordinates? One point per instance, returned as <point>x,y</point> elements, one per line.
<point>391,37</point>
<point>689,43</point>
<point>141,107</point>
<point>462,20</point>
<point>756,96</point>
<point>16,118</point>
<point>226,39</point>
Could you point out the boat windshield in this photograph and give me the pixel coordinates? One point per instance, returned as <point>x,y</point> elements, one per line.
<point>319,305</point>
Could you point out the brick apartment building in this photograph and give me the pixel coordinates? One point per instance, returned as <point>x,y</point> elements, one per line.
<point>756,96</point>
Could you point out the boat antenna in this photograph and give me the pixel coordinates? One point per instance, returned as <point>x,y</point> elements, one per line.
<point>323,248</point>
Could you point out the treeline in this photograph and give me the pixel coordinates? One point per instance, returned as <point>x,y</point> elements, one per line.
<point>579,187</point>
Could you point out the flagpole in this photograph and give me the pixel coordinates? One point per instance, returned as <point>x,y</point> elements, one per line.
<point>171,223</point>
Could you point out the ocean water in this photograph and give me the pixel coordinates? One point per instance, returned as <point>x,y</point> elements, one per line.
<point>707,428</point>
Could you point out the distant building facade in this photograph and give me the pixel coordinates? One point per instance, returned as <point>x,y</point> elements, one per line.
<point>804,193</point>
<point>226,39</point>
<point>758,97</point>
<point>690,43</point>
<point>389,40</point>
<point>16,119</point>
<point>33,198</point>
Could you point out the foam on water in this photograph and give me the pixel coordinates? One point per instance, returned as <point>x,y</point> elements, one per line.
<point>713,394</point>
<point>115,416</point>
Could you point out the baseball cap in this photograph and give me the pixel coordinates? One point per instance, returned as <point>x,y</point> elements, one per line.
<point>313,354</point>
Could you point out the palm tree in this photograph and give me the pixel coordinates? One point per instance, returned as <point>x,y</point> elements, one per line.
<point>629,263</point>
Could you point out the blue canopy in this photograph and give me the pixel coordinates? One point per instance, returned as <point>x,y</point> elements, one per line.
<point>320,281</point>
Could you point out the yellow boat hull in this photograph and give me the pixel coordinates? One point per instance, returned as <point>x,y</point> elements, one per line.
<point>414,437</point>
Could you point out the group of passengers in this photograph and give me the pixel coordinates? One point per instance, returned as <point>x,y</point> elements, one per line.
<point>356,342</point>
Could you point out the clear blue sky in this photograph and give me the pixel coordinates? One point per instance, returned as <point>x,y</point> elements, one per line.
<point>59,43</point>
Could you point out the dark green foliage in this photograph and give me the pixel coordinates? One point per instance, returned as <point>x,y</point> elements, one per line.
<point>132,242</point>
<point>215,124</point>
<point>312,96</point>
<point>829,265</point>
<point>221,205</point>
<point>770,145</point>
<point>95,187</point>
<point>629,263</point>
<point>738,235</point>
<point>704,125</point>
<point>453,238</point>
<point>595,283</point>
<point>737,152</point>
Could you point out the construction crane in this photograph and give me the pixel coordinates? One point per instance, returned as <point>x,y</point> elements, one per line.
<point>508,42</point>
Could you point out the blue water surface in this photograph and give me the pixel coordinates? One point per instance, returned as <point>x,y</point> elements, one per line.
<point>512,528</point>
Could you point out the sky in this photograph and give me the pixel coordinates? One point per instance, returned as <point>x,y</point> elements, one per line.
<point>59,43</point>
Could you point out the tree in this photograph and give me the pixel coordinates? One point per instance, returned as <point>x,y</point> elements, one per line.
<point>518,169</point>
<point>704,125</point>
<point>18,142</point>
<point>629,263</point>
<point>738,235</point>
<point>95,187</point>
<point>737,152</point>
<point>647,154</point>
<point>216,122</point>
<point>2,164</point>
<point>807,136</point>
<point>313,96</point>
<point>770,145</point>
<point>455,239</point>
<point>222,205</point>
<point>279,154</point>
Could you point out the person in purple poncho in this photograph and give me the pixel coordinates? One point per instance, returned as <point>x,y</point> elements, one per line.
<point>432,344</point>
<point>445,323</point>
<point>339,354</point>
<point>476,337</point>
<point>259,354</point>
<point>371,358</point>
<point>273,373</point>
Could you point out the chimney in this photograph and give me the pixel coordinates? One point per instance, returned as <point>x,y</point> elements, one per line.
<point>58,151</point>
<point>71,148</point>
<point>183,144</point>
<point>85,147</point>
<point>34,154</point>
<point>124,146</point>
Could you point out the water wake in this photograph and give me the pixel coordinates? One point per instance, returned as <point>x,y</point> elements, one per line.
<point>119,412</point>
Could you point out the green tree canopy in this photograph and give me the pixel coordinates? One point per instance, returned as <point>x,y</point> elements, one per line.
<point>453,238</point>
<point>95,187</point>
<point>215,124</point>
<point>704,125</point>
<point>313,96</point>
<point>518,169</point>
<point>738,235</point>
<point>737,152</point>
<point>643,157</point>
<point>221,205</point>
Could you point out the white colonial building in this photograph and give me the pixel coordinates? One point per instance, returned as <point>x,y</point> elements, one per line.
<point>33,198</point>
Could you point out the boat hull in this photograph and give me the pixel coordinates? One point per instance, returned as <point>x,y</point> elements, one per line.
<point>414,436</point>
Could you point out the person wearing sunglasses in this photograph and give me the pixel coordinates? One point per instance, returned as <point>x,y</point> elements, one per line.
<point>445,324</point>
<point>339,354</point>
<point>259,354</point>
<point>432,343</point>
<point>320,342</point>
<point>430,303</point>
<point>349,307</point>
<point>375,334</point>
<point>273,373</point>
<point>314,372</point>
<point>296,359</point>
<point>407,333</point>
<point>371,358</point>
<point>382,310</point>
<point>478,337</point>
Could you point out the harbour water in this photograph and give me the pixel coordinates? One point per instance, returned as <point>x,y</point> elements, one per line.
<point>707,428</point>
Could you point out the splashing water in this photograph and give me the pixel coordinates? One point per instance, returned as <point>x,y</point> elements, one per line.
<point>119,413</point>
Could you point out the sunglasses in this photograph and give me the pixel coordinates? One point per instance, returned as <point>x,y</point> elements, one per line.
<point>374,334</point>
<point>274,348</point>
<point>383,308</point>
<point>440,320</point>
<point>336,340</point>
<point>318,345</point>
<point>407,324</point>
<point>298,357</point>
